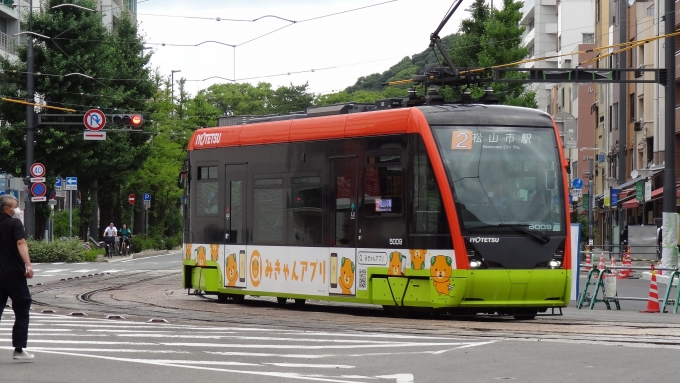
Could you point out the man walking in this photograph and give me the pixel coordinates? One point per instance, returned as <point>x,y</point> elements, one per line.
<point>15,267</point>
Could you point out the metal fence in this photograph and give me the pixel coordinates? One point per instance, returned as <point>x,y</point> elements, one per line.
<point>7,43</point>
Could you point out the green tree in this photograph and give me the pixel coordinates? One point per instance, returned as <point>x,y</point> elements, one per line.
<point>485,42</point>
<point>116,80</point>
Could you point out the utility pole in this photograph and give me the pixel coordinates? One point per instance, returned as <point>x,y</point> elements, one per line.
<point>669,250</point>
<point>591,201</point>
<point>623,92</point>
<point>29,211</point>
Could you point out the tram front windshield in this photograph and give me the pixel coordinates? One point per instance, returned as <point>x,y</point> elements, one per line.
<point>504,179</point>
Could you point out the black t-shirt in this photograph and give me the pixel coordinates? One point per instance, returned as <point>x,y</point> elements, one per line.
<point>11,231</point>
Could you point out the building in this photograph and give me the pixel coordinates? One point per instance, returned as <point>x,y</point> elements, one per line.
<point>10,16</point>
<point>112,10</point>
<point>539,17</point>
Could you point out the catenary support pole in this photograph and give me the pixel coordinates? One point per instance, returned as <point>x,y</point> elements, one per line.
<point>29,207</point>
<point>623,93</point>
<point>591,202</point>
<point>669,253</point>
<point>70,213</point>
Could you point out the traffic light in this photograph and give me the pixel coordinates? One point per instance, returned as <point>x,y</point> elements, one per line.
<point>133,120</point>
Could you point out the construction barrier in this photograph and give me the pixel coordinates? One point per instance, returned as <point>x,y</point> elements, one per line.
<point>605,281</point>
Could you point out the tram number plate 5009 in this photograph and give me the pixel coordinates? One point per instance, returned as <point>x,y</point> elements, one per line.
<point>396,241</point>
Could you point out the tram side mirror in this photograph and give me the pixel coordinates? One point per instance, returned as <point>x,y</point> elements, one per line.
<point>550,179</point>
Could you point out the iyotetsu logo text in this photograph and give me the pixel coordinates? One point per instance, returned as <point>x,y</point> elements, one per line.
<point>208,138</point>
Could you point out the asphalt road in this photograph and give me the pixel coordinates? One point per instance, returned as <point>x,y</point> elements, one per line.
<point>259,341</point>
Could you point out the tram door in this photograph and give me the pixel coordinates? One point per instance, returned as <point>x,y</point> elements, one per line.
<point>343,225</point>
<point>234,261</point>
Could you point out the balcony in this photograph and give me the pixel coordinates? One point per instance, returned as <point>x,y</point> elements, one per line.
<point>528,37</point>
<point>7,3</point>
<point>7,43</point>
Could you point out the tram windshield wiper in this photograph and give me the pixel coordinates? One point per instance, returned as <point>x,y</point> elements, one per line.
<point>519,228</point>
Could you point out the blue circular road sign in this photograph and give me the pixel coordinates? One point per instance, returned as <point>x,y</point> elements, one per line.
<point>578,183</point>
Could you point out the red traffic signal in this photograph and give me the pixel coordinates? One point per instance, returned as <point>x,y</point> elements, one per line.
<point>134,120</point>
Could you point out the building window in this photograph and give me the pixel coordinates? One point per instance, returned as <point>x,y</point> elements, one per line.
<point>650,10</point>
<point>588,38</point>
<point>597,11</point>
<point>615,116</point>
<point>631,105</point>
<point>3,25</point>
<point>559,43</point>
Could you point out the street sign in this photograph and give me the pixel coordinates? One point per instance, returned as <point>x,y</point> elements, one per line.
<point>71,183</point>
<point>615,197</point>
<point>571,199</point>
<point>147,196</point>
<point>648,190</point>
<point>577,193</point>
<point>639,190</point>
<point>38,170</point>
<point>38,189</point>
<point>131,199</point>
<point>577,183</point>
<point>37,179</point>
<point>61,193</point>
<point>38,199</point>
<point>57,183</point>
<point>94,136</point>
<point>94,119</point>
<point>53,194</point>
<point>52,202</point>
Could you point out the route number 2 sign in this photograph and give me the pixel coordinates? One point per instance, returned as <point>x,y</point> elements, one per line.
<point>461,140</point>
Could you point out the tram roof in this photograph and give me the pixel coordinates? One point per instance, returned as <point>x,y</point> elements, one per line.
<point>364,124</point>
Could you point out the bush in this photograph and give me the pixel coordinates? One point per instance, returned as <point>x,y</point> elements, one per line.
<point>92,255</point>
<point>56,251</point>
<point>173,242</point>
<point>61,227</point>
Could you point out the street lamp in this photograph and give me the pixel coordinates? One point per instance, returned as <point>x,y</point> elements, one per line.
<point>79,74</point>
<point>74,6</point>
<point>172,85</point>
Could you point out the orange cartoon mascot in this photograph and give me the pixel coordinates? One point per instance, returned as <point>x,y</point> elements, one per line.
<point>200,256</point>
<point>396,263</point>
<point>440,270</point>
<point>231,270</point>
<point>418,259</point>
<point>346,276</point>
<point>214,252</point>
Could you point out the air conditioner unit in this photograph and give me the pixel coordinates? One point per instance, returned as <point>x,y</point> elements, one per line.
<point>638,125</point>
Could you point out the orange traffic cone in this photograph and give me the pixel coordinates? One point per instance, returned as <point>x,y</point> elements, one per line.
<point>589,263</point>
<point>653,301</point>
<point>600,266</point>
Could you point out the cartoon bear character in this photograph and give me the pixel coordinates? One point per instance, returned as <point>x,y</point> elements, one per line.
<point>418,259</point>
<point>214,252</point>
<point>187,248</point>
<point>440,270</point>
<point>396,263</point>
<point>346,279</point>
<point>200,256</point>
<point>231,270</point>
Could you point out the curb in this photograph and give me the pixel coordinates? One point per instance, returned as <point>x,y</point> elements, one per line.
<point>143,254</point>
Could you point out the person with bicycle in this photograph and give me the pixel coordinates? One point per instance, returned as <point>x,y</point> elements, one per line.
<point>125,235</point>
<point>110,234</point>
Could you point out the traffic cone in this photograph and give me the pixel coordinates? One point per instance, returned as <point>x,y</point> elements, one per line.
<point>601,266</point>
<point>589,263</point>
<point>653,301</point>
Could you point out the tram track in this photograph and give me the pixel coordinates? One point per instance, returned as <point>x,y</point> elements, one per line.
<point>318,317</point>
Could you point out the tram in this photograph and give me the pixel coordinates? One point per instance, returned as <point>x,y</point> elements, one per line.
<point>453,207</point>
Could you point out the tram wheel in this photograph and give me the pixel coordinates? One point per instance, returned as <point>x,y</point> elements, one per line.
<point>238,298</point>
<point>222,298</point>
<point>300,302</point>
<point>281,301</point>
<point>528,315</point>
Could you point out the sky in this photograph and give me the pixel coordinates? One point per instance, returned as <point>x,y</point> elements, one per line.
<point>339,49</point>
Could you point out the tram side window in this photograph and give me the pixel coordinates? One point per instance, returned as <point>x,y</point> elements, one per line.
<point>269,215</point>
<point>383,187</point>
<point>207,191</point>
<point>305,217</point>
<point>428,210</point>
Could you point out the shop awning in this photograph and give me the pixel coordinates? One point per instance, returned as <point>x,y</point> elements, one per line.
<point>656,194</point>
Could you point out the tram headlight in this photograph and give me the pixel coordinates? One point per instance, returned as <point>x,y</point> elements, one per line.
<point>554,264</point>
<point>475,263</point>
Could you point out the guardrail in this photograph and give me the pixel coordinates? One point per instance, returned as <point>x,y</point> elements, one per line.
<point>7,43</point>
<point>607,299</point>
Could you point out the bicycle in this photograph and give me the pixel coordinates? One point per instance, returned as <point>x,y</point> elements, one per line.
<point>125,246</point>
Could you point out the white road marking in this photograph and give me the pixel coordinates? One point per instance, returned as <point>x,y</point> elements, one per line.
<point>57,270</point>
<point>401,378</point>
<point>101,350</point>
<point>111,271</point>
<point>174,364</point>
<point>84,270</point>
<point>302,365</point>
<point>261,354</point>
